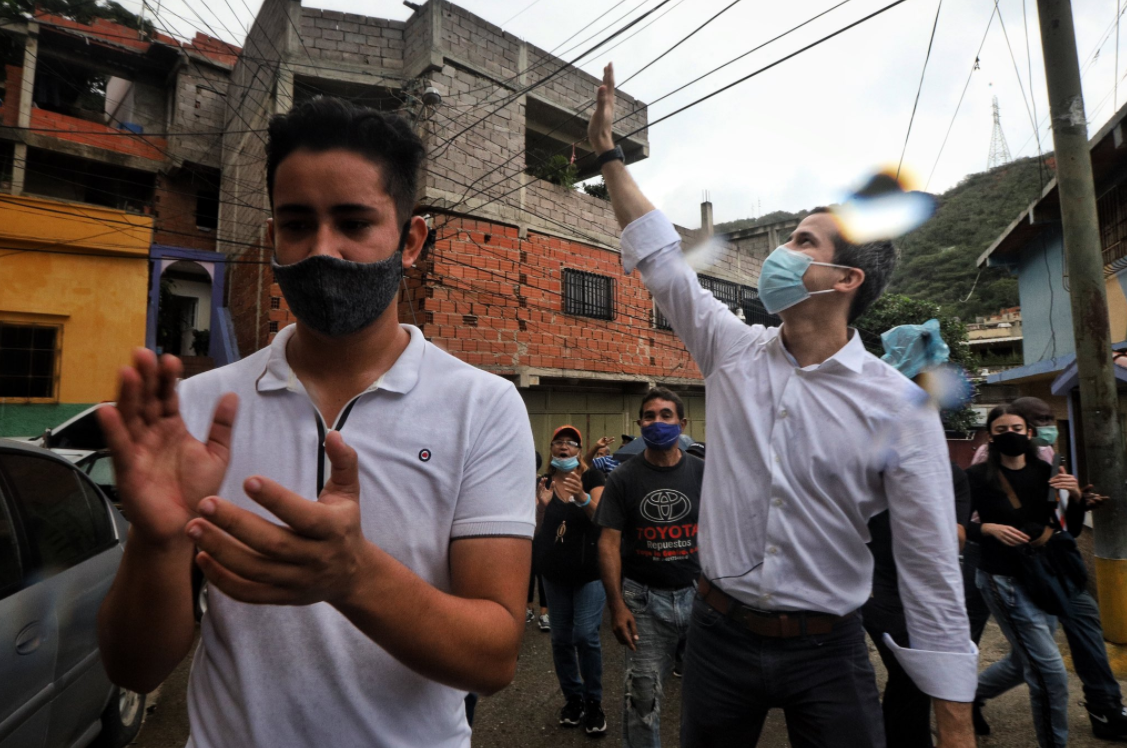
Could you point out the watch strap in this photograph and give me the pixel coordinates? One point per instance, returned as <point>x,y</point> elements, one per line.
<point>614,154</point>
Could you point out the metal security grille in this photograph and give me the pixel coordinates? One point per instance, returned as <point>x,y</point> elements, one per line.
<point>1112,208</point>
<point>588,294</point>
<point>28,361</point>
<point>725,291</point>
<point>754,311</point>
<point>736,297</point>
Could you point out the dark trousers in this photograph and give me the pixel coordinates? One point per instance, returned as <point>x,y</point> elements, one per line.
<point>906,709</point>
<point>977,612</point>
<point>824,683</point>
<point>534,581</point>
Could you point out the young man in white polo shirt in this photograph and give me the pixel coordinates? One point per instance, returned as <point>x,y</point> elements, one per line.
<point>364,522</point>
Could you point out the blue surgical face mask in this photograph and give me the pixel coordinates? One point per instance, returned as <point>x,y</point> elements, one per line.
<point>566,464</point>
<point>913,348</point>
<point>780,281</point>
<point>661,436</point>
<point>1048,434</point>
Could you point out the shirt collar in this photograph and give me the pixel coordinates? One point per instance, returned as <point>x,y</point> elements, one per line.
<point>851,355</point>
<point>401,377</point>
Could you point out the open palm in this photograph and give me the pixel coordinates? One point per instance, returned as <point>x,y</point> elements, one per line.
<point>162,470</point>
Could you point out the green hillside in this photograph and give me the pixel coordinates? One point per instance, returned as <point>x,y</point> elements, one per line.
<point>937,262</point>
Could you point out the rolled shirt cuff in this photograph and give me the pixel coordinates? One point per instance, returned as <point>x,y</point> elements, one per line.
<point>644,236</point>
<point>950,676</point>
<point>481,528</point>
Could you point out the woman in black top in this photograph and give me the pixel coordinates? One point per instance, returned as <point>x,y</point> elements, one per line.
<point>565,550</point>
<point>1006,531</point>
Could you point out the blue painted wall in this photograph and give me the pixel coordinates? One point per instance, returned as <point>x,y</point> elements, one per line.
<point>1046,314</point>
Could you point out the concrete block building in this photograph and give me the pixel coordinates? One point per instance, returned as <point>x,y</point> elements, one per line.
<point>109,156</point>
<point>524,278</point>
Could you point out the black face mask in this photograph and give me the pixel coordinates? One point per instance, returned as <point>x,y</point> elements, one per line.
<point>337,297</point>
<point>1011,443</point>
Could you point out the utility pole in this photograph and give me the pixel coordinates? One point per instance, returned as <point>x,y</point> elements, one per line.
<point>1103,440</point>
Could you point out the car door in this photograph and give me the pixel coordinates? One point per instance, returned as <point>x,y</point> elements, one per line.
<point>74,545</point>
<point>28,640</point>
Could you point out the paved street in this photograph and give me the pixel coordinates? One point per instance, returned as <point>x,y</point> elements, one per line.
<point>524,714</point>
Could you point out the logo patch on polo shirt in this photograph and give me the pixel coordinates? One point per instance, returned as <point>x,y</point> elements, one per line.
<point>424,455</point>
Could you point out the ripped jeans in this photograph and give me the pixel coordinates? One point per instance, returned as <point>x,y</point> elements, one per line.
<point>662,617</point>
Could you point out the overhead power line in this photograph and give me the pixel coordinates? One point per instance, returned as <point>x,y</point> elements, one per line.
<point>923,72</point>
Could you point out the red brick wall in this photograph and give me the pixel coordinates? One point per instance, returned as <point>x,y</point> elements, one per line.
<point>496,301</point>
<point>250,307</point>
<point>174,204</point>
<point>13,88</point>
<point>99,136</point>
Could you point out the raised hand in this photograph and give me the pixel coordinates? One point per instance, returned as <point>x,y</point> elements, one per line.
<point>162,471</point>
<point>600,127</point>
<point>319,554</point>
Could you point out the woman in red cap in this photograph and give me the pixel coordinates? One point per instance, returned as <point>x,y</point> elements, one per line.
<point>566,555</point>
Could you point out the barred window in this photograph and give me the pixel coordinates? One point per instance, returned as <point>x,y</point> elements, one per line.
<point>28,360</point>
<point>754,311</point>
<point>737,298</point>
<point>588,294</point>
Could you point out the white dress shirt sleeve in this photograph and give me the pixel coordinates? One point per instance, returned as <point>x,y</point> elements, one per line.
<point>942,660</point>
<point>705,325</point>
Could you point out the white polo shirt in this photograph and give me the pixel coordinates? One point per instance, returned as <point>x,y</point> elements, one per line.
<point>445,452</point>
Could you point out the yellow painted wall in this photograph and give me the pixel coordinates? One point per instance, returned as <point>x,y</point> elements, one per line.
<point>97,290</point>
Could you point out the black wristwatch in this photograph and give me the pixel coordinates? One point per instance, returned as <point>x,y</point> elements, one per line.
<point>614,154</point>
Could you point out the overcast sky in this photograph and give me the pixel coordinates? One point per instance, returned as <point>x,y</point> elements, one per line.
<point>806,131</point>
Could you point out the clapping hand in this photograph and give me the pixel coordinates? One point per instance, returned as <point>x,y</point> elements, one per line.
<point>317,555</point>
<point>568,487</point>
<point>162,471</point>
<point>599,128</point>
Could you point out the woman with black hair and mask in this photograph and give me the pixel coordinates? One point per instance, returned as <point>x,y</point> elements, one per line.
<point>1013,472</point>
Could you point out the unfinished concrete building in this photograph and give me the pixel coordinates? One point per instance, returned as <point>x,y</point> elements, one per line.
<point>105,190</point>
<point>524,278</point>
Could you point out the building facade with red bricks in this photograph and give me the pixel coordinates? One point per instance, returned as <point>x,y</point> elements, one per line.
<point>524,278</point>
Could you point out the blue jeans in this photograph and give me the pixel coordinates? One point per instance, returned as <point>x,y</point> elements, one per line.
<point>662,618</point>
<point>824,683</point>
<point>1089,655</point>
<point>1030,632</point>
<point>577,613</point>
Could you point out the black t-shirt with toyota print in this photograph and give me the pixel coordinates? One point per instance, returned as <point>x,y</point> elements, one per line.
<point>656,509</point>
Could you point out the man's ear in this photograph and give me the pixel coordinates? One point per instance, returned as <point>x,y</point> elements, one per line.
<point>852,281</point>
<point>416,240</point>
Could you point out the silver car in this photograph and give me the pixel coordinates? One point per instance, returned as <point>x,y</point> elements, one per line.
<point>60,546</point>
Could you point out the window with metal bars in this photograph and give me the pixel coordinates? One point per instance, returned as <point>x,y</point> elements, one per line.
<point>588,294</point>
<point>736,297</point>
<point>1112,209</point>
<point>29,356</point>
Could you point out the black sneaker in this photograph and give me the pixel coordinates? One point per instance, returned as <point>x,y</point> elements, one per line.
<point>678,669</point>
<point>594,721</point>
<point>1108,723</point>
<point>981,726</point>
<point>572,713</point>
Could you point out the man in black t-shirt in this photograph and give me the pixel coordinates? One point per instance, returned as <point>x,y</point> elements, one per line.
<point>648,558</point>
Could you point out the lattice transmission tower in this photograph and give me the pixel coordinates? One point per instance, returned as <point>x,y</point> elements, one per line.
<point>999,151</point>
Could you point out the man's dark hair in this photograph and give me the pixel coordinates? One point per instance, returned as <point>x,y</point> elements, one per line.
<point>326,123</point>
<point>662,393</point>
<point>876,259</point>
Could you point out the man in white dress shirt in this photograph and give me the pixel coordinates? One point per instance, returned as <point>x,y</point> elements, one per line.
<point>811,436</point>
